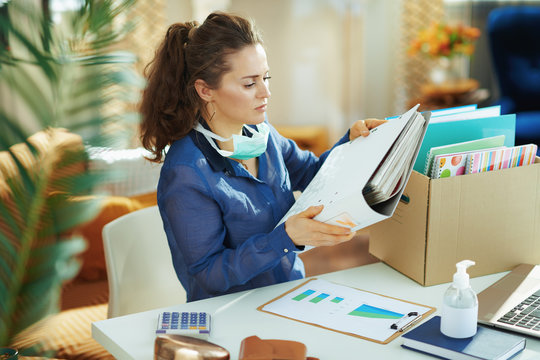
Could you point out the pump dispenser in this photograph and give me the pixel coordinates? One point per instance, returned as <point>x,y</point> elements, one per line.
<point>460,305</point>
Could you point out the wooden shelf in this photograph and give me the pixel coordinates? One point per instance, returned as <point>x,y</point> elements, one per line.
<point>450,94</point>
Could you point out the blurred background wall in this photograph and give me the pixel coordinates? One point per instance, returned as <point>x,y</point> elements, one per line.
<point>332,61</point>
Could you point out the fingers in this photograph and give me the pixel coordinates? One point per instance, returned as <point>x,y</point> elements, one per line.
<point>321,227</point>
<point>328,229</point>
<point>321,239</point>
<point>311,211</point>
<point>362,127</point>
<point>304,230</point>
<point>359,128</point>
<point>373,123</point>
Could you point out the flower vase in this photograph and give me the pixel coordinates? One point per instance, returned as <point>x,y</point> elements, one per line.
<point>445,70</point>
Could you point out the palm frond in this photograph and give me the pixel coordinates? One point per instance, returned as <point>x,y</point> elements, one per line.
<point>63,77</point>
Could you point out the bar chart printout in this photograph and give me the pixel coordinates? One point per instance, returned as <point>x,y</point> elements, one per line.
<point>319,298</point>
<point>345,309</point>
<point>375,312</point>
<point>303,295</point>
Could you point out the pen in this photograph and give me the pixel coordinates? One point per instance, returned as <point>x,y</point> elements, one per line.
<point>405,322</point>
<point>411,324</point>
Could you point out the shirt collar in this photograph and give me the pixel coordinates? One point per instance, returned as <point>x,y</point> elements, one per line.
<point>216,161</point>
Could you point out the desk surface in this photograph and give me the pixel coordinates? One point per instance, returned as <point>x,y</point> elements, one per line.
<point>234,317</point>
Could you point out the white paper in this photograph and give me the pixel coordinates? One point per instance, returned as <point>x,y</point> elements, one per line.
<point>490,111</point>
<point>359,312</point>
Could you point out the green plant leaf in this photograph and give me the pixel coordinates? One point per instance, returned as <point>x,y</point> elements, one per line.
<point>60,76</point>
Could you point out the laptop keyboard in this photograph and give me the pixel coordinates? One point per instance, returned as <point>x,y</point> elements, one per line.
<point>526,314</point>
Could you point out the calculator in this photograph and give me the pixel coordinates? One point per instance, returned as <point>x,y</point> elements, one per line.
<point>196,324</point>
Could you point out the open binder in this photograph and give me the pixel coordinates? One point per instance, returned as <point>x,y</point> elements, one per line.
<point>361,181</point>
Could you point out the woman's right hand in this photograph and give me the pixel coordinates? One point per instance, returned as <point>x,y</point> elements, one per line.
<point>303,230</point>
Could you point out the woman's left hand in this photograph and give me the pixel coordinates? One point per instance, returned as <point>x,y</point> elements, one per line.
<point>362,127</point>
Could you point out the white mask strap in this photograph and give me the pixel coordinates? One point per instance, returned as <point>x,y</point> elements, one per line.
<point>201,129</point>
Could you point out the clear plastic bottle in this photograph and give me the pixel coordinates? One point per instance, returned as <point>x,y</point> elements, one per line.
<point>459,315</point>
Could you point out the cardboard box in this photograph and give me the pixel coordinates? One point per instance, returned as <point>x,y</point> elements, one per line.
<point>492,218</point>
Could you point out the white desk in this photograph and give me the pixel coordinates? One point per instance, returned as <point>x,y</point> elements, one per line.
<point>235,317</point>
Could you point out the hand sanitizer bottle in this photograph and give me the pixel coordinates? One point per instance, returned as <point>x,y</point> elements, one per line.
<point>460,305</point>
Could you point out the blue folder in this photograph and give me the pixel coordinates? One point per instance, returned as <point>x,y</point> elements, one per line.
<point>446,111</point>
<point>451,132</point>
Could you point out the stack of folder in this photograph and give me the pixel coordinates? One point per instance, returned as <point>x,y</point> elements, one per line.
<point>445,161</point>
<point>446,157</point>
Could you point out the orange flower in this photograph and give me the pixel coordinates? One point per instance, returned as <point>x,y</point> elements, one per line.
<point>441,39</point>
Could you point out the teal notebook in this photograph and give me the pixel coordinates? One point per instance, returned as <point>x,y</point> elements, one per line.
<point>480,144</point>
<point>445,133</point>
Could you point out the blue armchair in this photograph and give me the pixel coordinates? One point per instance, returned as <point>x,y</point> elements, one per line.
<point>514,36</point>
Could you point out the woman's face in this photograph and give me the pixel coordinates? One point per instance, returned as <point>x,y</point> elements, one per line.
<point>243,93</point>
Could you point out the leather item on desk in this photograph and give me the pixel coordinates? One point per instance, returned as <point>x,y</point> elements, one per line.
<point>178,347</point>
<point>254,348</point>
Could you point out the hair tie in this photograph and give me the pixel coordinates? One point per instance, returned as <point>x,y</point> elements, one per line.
<point>192,26</point>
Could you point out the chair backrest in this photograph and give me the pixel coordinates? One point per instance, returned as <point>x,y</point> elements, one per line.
<point>513,36</point>
<point>139,266</point>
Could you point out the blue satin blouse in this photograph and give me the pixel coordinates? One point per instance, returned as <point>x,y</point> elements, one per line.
<point>220,220</point>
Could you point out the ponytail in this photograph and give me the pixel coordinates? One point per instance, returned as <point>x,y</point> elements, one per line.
<point>163,100</point>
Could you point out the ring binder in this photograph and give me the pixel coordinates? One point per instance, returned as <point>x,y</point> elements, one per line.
<point>368,193</point>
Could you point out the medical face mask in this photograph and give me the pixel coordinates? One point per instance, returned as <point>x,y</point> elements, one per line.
<point>244,147</point>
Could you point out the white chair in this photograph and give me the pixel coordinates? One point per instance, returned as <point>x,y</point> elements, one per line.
<point>139,265</point>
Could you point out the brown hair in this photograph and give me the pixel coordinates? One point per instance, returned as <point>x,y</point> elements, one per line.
<point>170,105</point>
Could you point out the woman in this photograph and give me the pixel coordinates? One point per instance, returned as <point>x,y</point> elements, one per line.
<point>228,176</point>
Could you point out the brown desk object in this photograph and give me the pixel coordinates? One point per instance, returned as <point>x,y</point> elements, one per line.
<point>313,138</point>
<point>254,348</point>
<point>179,347</point>
<point>450,94</point>
<point>449,88</point>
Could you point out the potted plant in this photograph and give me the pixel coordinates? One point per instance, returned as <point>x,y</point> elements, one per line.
<point>59,75</point>
<point>446,44</point>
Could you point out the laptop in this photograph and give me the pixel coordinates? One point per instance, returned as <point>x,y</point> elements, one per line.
<point>513,302</point>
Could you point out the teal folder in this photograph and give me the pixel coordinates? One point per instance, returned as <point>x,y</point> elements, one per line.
<point>451,132</point>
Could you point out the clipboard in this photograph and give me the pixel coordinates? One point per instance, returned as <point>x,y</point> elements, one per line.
<point>347,310</point>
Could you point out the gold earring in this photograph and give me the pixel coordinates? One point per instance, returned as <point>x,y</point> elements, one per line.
<point>214,113</point>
